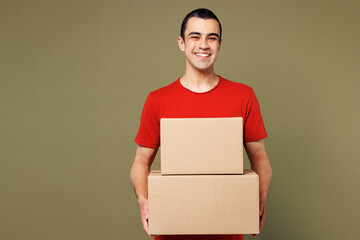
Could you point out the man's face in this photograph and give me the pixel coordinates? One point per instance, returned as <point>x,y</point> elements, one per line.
<point>201,44</point>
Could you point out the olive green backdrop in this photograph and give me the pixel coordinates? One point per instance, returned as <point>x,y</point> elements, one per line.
<point>74,78</point>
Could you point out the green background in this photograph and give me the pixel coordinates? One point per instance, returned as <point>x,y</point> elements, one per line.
<point>74,78</point>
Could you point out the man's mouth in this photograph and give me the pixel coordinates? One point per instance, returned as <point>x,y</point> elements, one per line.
<point>202,54</point>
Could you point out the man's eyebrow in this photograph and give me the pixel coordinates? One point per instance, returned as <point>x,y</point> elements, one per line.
<point>196,33</point>
<point>210,34</point>
<point>214,34</point>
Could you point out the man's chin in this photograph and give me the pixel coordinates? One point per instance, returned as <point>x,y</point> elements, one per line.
<point>203,68</point>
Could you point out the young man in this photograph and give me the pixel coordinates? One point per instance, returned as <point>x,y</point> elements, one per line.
<point>200,93</point>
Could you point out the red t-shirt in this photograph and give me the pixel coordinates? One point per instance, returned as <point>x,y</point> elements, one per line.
<point>226,99</point>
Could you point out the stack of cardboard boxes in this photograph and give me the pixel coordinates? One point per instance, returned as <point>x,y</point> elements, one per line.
<point>202,187</point>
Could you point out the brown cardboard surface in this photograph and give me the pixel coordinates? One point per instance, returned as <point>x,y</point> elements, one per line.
<point>201,145</point>
<point>203,204</point>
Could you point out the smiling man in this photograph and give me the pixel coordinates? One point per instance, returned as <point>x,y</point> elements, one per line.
<point>200,93</point>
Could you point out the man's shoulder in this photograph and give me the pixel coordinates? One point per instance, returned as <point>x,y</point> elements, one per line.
<point>236,86</point>
<point>164,91</point>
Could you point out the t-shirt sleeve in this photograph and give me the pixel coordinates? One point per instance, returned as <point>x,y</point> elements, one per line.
<point>254,128</point>
<point>149,130</point>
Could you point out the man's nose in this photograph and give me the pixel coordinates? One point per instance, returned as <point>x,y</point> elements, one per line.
<point>204,43</point>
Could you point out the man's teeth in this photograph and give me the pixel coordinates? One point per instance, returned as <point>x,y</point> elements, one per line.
<point>202,55</point>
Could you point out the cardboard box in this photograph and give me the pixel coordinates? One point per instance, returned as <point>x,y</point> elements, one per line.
<point>203,204</point>
<point>201,145</point>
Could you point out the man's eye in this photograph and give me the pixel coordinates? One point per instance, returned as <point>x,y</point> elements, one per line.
<point>212,38</point>
<point>195,37</point>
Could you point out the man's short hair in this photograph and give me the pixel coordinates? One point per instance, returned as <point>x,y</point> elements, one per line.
<point>202,13</point>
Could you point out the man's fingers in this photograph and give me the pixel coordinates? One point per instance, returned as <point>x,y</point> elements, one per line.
<point>262,219</point>
<point>146,227</point>
<point>262,214</point>
<point>145,223</point>
<point>144,213</point>
<point>262,208</point>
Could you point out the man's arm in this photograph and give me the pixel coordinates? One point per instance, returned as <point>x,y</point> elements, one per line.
<point>138,175</point>
<point>261,165</point>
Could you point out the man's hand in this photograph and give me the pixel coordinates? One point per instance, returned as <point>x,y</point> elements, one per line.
<point>262,213</point>
<point>144,213</point>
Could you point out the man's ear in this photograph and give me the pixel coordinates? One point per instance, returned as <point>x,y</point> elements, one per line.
<point>181,43</point>
<point>220,42</point>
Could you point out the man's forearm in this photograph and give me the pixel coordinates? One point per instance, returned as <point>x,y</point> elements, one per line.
<point>263,168</point>
<point>138,175</point>
<point>140,171</point>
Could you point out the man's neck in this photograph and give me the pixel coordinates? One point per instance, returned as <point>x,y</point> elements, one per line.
<point>199,81</point>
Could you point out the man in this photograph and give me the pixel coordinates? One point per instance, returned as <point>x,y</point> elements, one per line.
<point>200,93</point>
